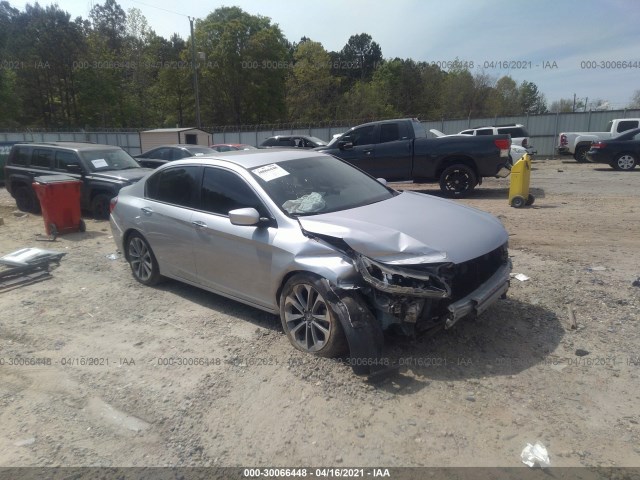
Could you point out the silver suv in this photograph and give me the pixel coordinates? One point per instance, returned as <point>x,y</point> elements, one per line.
<point>518,132</point>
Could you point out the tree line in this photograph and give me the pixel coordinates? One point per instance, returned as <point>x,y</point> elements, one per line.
<point>113,71</point>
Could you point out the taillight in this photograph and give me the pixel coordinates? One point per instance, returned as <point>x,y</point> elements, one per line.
<point>504,144</point>
<point>563,139</point>
<point>598,145</point>
<point>112,204</point>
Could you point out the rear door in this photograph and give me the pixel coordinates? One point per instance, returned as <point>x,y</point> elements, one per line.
<point>165,215</point>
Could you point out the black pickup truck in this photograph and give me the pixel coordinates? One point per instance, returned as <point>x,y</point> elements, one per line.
<point>398,150</point>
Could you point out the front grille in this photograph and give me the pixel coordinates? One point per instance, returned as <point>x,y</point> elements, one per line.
<point>470,275</point>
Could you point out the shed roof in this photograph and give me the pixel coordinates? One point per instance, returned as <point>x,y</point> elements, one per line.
<point>170,130</point>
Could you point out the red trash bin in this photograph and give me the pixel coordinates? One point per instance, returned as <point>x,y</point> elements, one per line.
<point>59,197</point>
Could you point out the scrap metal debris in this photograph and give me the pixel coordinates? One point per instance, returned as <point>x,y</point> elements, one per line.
<point>27,266</point>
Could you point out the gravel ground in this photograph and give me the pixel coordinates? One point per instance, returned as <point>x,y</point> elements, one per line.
<point>471,396</point>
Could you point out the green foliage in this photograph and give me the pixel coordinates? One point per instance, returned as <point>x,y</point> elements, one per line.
<point>112,70</point>
<point>311,89</point>
<point>247,60</point>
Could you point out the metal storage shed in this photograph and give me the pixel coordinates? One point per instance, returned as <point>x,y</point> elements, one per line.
<point>166,136</point>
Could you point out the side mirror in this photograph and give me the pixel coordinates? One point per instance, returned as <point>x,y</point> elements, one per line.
<point>345,144</point>
<point>244,217</point>
<point>74,168</point>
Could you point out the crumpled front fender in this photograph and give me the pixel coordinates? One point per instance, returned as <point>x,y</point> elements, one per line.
<point>363,332</point>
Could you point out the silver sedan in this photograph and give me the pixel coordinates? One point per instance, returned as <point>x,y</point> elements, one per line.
<point>337,254</point>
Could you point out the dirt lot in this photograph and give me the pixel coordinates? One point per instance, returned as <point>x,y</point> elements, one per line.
<point>473,395</point>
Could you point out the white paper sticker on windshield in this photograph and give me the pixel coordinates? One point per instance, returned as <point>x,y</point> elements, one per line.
<point>99,163</point>
<point>270,172</point>
<point>198,154</point>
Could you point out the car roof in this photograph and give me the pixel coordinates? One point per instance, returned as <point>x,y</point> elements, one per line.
<point>180,145</point>
<point>249,159</point>
<point>72,145</point>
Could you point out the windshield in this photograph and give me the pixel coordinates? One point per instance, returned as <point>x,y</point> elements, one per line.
<point>317,141</point>
<point>334,139</point>
<point>311,186</point>
<point>109,159</point>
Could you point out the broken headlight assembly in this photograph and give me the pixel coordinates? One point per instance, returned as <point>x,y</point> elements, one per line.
<point>425,281</point>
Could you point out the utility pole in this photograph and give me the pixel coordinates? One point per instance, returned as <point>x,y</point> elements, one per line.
<point>574,95</point>
<point>195,73</point>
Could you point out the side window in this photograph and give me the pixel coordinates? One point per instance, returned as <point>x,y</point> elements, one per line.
<point>515,132</point>
<point>162,154</point>
<point>286,142</point>
<point>484,131</point>
<point>41,158</point>
<point>627,125</point>
<point>64,159</point>
<point>223,190</point>
<point>21,156</point>
<point>178,186</point>
<point>466,132</point>
<point>389,132</point>
<point>363,135</point>
<point>177,154</point>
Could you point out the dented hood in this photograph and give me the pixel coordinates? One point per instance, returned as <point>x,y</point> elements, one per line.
<point>412,228</point>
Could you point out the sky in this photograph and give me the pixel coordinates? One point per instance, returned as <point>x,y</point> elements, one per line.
<point>589,48</point>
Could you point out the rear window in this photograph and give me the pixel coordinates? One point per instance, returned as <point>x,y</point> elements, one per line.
<point>627,125</point>
<point>418,130</point>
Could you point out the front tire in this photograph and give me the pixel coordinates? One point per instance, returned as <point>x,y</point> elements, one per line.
<point>624,162</point>
<point>457,181</point>
<point>308,319</point>
<point>142,261</point>
<point>100,206</point>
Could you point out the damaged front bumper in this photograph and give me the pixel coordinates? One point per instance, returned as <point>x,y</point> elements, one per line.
<point>481,298</point>
<point>439,294</point>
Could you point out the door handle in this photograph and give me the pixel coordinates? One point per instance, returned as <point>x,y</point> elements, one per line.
<point>199,224</point>
<point>367,152</point>
<point>146,210</point>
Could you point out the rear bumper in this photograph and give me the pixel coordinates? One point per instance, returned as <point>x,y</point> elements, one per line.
<point>481,298</point>
<point>563,151</point>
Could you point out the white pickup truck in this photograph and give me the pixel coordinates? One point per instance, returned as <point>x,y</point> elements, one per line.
<point>578,143</point>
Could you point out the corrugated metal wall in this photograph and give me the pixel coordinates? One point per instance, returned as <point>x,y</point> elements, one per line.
<point>543,130</point>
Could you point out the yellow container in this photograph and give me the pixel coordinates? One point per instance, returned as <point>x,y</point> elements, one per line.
<point>519,195</point>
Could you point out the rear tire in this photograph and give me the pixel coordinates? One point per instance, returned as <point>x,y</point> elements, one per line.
<point>142,261</point>
<point>457,181</point>
<point>26,200</point>
<point>581,154</point>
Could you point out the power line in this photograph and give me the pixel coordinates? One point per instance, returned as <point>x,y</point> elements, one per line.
<point>160,8</point>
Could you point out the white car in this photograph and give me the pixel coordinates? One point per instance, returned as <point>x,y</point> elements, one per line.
<point>518,132</point>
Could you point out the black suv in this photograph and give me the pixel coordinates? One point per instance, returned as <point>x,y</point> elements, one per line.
<point>103,170</point>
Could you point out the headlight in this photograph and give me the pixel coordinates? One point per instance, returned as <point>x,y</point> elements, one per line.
<point>424,282</point>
